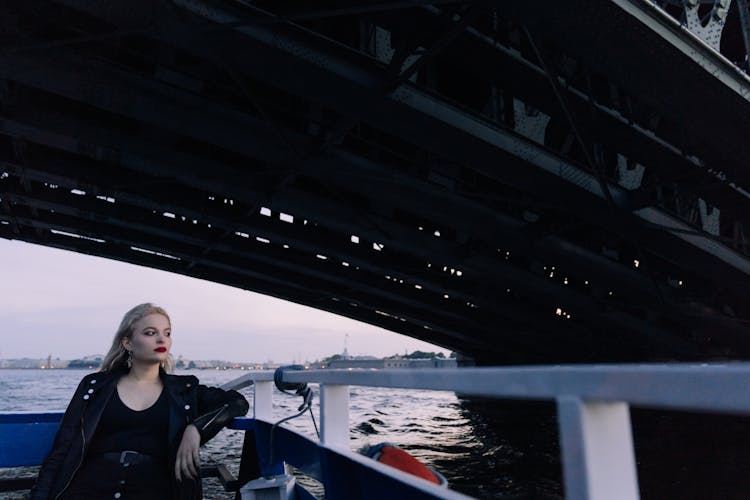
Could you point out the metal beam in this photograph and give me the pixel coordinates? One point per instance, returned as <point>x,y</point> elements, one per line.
<point>516,283</point>
<point>341,98</point>
<point>177,234</point>
<point>426,121</point>
<point>136,98</point>
<point>413,197</point>
<point>287,267</point>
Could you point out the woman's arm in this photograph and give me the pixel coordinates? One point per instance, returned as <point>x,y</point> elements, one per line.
<point>216,408</point>
<point>66,433</point>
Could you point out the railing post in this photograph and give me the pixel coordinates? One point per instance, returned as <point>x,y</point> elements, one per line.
<point>334,415</point>
<point>597,450</point>
<point>263,400</point>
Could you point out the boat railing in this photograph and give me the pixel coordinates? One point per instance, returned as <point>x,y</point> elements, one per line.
<point>593,406</point>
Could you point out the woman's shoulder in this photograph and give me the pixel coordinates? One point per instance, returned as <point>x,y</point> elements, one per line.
<point>95,380</point>
<point>94,377</point>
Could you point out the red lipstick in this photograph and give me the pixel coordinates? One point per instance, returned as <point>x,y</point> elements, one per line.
<point>161,349</point>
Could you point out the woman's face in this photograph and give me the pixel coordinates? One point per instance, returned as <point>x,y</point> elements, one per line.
<point>151,339</point>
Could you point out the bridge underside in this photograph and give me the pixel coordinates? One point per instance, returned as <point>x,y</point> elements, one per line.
<point>521,184</point>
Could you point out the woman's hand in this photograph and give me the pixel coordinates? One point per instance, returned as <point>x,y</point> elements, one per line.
<point>188,461</point>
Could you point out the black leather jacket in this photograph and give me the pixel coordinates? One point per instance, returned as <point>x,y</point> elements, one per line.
<point>208,408</point>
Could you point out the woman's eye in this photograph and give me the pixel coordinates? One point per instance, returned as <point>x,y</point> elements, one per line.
<point>167,334</point>
<point>149,332</point>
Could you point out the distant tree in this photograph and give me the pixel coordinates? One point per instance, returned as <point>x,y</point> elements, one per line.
<point>331,358</point>
<point>440,355</point>
<point>453,355</point>
<point>424,355</point>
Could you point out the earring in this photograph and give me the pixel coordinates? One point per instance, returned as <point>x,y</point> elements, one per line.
<point>129,361</point>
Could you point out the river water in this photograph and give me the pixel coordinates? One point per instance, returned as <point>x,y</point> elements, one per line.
<point>475,445</point>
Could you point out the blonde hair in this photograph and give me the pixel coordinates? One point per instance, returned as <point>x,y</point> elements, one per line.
<point>117,357</point>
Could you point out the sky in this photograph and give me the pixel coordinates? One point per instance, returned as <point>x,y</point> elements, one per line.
<point>68,305</point>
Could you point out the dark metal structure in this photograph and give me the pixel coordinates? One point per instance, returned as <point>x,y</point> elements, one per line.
<point>521,182</point>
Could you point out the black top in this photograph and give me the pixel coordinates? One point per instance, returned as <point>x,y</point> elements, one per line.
<point>122,428</point>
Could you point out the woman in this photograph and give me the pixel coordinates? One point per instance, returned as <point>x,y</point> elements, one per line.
<point>133,430</point>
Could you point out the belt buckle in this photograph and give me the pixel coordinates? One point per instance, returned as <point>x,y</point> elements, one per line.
<point>124,457</point>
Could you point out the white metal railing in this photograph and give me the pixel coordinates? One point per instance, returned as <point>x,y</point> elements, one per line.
<point>593,404</point>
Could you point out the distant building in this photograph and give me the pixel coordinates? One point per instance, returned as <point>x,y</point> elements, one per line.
<point>357,363</point>
<point>392,363</point>
<point>420,363</point>
<point>26,363</point>
<point>87,362</point>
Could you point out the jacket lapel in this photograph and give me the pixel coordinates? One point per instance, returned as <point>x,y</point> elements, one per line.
<point>179,399</point>
<point>102,386</point>
<point>180,413</point>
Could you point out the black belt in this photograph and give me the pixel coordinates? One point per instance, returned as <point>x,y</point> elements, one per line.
<point>127,458</point>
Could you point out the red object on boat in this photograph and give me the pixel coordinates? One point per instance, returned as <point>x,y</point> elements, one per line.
<point>402,460</point>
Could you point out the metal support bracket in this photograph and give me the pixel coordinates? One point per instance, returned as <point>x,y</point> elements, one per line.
<point>710,31</point>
